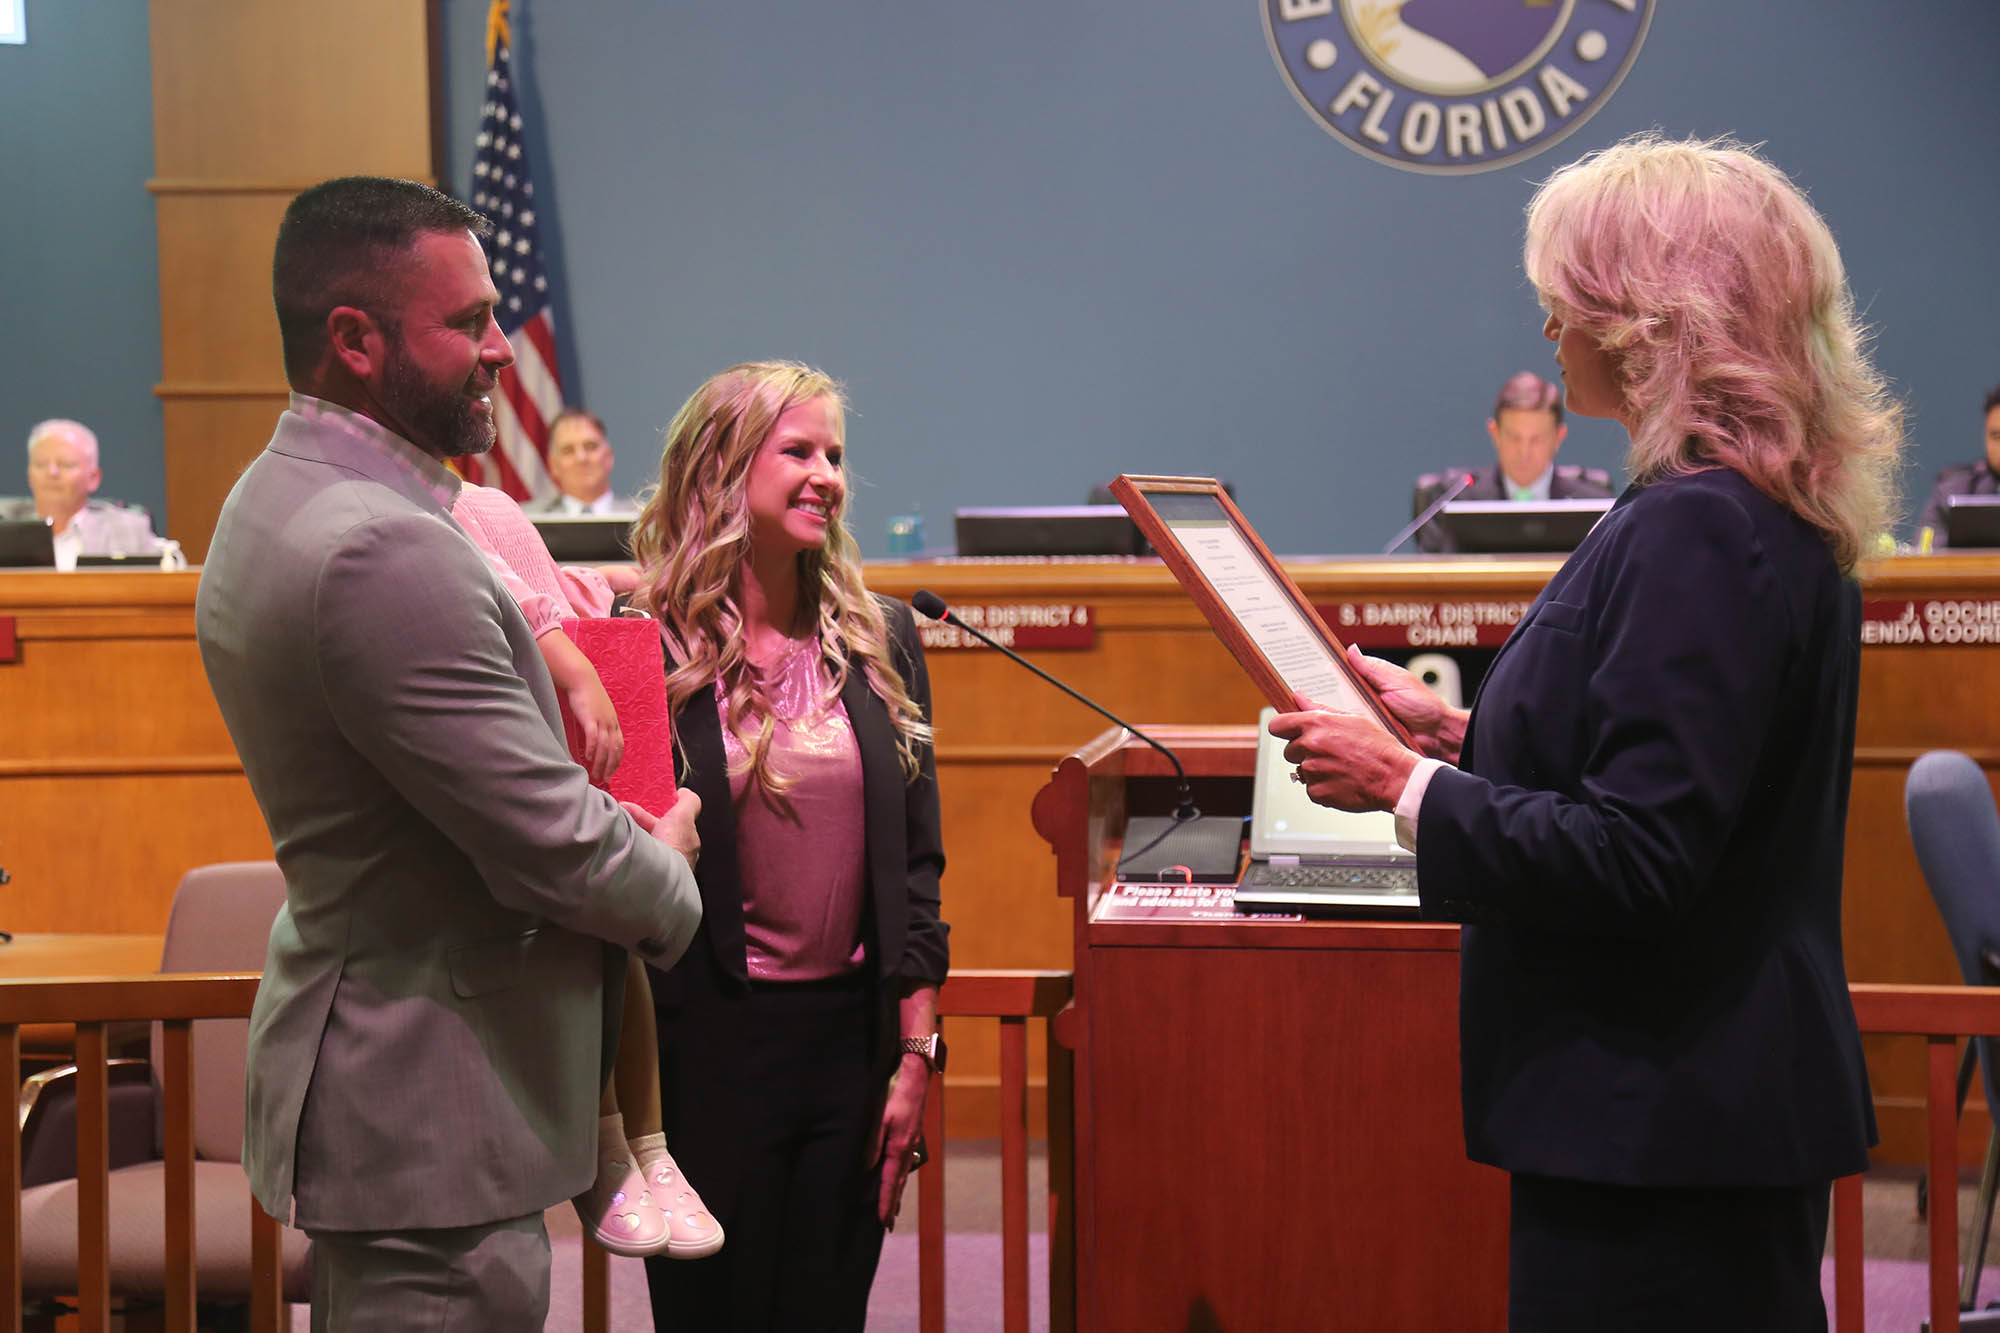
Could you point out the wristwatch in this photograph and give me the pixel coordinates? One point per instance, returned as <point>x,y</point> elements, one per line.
<point>931,1048</point>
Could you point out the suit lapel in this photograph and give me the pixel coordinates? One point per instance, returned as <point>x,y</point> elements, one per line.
<point>882,806</point>
<point>703,766</point>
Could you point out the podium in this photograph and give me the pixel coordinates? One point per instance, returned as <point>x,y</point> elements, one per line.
<point>1267,1115</point>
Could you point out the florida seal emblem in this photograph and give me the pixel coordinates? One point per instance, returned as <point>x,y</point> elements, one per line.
<point>1454,86</point>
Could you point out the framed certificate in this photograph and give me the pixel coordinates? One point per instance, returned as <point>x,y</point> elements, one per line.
<point>1251,603</point>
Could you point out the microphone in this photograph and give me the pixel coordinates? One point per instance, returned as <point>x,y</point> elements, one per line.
<point>1460,480</point>
<point>1186,846</point>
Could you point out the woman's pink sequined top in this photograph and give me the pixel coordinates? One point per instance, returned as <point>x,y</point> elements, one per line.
<point>803,874</point>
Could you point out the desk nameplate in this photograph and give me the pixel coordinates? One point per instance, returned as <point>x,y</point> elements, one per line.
<point>1418,622</point>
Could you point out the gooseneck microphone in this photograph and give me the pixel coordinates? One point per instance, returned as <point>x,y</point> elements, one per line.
<point>1460,480</point>
<point>1187,845</point>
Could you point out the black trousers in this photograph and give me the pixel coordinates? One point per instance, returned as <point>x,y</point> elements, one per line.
<point>772,1108</point>
<point>1590,1258</point>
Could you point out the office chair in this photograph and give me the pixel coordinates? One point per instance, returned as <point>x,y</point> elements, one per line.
<point>221,922</point>
<point>1955,828</point>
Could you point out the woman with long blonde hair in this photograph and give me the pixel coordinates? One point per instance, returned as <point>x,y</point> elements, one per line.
<point>1642,818</point>
<point>798,1033</point>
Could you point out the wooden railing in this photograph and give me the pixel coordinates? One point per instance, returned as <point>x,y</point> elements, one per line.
<point>91,1003</point>
<point>1940,1015</point>
<point>1013,998</point>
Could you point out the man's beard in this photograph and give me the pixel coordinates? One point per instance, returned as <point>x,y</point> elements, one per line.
<point>441,422</point>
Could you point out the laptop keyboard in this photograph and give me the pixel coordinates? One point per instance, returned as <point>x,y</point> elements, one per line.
<point>1382,879</point>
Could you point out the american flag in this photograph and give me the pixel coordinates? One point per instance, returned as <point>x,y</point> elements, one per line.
<point>531,388</point>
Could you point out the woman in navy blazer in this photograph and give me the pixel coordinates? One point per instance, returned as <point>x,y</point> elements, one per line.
<point>1641,819</point>
<point>796,1032</point>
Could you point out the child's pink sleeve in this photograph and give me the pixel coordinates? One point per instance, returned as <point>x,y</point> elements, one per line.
<point>589,595</point>
<point>542,611</point>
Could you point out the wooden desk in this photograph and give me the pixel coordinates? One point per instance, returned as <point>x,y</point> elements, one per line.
<point>1267,1115</point>
<point>50,955</point>
<point>116,773</point>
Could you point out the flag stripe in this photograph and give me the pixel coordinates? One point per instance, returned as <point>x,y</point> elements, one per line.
<point>531,391</point>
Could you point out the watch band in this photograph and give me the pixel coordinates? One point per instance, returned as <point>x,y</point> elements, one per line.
<point>925,1047</point>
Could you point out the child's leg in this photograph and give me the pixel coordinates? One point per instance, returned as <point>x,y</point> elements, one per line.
<point>636,1074</point>
<point>619,1209</point>
<point>634,1088</point>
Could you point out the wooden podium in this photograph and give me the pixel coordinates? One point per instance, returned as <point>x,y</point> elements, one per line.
<point>1267,1115</point>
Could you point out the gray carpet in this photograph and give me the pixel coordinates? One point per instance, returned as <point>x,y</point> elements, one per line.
<point>1895,1278</point>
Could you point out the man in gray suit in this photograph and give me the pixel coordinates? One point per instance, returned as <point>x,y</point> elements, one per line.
<point>427,1047</point>
<point>580,462</point>
<point>1526,429</point>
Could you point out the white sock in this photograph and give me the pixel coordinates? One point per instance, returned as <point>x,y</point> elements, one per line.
<point>610,1132</point>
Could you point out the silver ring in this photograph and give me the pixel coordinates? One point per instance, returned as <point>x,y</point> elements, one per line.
<point>1297,776</point>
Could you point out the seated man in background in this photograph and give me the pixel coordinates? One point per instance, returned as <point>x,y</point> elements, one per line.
<point>1527,429</point>
<point>1981,478</point>
<point>580,461</point>
<point>63,474</point>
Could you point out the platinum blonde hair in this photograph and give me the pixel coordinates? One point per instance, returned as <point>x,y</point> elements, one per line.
<point>1720,295</point>
<point>692,541</point>
<point>85,437</point>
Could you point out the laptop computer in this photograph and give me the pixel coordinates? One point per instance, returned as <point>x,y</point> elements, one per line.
<point>1309,859</point>
<point>26,543</point>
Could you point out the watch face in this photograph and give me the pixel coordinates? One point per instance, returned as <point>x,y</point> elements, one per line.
<point>937,1054</point>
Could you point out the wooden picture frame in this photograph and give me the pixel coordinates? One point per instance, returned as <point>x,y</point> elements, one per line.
<point>1170,509</point>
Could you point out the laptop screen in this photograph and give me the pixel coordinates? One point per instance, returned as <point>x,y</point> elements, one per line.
<point>26,542</point>
<point>1285,822</point>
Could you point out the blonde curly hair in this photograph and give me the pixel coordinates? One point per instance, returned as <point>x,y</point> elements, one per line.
<point>1720,295</point>
<point>692,542</point>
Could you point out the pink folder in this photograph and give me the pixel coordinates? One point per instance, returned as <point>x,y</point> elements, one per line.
<point>626,652</point>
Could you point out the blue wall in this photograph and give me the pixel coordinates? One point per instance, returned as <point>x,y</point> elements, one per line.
<point>1047,241</point>
<point>80,270</point>
<point>1050,240</point>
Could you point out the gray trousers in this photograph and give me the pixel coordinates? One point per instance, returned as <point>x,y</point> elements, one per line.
<point>454,1280</point>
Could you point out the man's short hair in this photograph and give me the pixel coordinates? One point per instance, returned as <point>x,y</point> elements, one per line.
<point>85,437</point>
<point>1529,392</point>
<point>336,246</point>
<point>1992,400</point>
<point>578,414</point>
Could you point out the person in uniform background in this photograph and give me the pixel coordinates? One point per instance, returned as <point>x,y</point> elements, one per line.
<point>580,462</point>
<point>1526,428</point>
<point>63,476</point>
<point>1981,478</point>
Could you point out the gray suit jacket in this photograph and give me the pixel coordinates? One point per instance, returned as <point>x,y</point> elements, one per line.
<point>425,1047</point>
<point>548,505</point>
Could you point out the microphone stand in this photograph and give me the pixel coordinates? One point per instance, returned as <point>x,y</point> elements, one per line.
<point>1431,511</point>
<point>1186,846</point>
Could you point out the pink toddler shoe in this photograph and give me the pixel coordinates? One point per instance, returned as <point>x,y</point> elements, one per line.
<point>618,1208</point>
<point>692,1230</point>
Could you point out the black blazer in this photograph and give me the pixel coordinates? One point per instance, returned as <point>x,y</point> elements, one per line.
<point>1567,483</point>
<point>905,933</point>
<point>1646,832</point>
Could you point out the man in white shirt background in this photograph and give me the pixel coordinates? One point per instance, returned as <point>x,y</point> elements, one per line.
<point>580,462</point>
<point>62,476</point>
